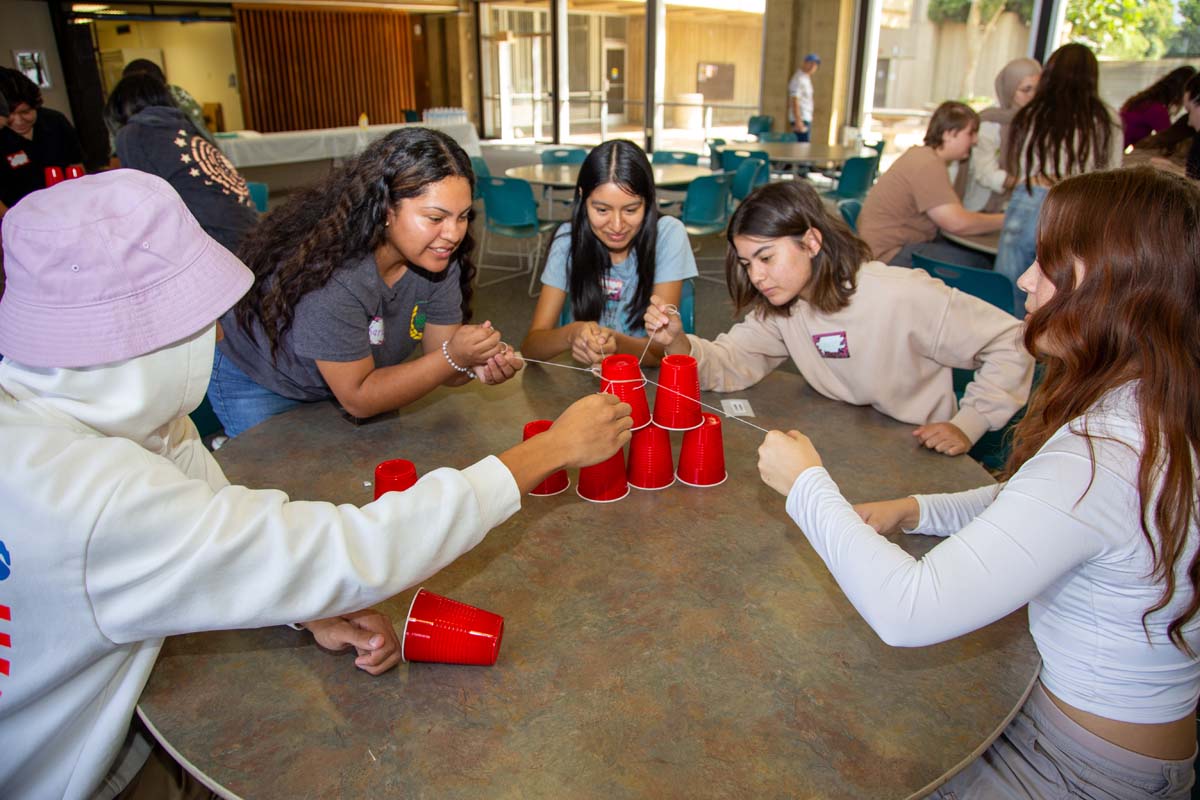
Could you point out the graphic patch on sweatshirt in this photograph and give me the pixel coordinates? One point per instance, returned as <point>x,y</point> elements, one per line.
<point>210,165</point>
<point>832,345</point>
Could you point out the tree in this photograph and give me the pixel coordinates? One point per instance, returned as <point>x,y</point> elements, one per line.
<point>1186,41</point>
<point>980,17</point>
<point>1122,29</point>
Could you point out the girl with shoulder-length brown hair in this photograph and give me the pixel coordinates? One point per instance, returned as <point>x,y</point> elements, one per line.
<point>1095,528</point>
<point>858,331</point>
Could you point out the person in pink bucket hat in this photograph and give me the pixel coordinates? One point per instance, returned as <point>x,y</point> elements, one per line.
<point>115,514</point>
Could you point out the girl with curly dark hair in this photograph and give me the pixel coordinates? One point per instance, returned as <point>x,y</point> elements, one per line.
<point>858,331</point>
<point>351,277</point>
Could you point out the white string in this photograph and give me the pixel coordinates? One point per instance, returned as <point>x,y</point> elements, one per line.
<point>670,308</point>
<point>595,371</point>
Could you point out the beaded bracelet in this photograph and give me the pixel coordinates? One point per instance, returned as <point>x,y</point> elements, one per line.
<point>446,352</point>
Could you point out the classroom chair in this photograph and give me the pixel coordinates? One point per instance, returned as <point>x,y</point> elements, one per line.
<point>857,175</point>
<point>731,158</point>
<point>564,155</point>
<point>759,124</point>
<point>509,210</point>
<point>706,211</point>
<point>777,136</point>
<point>481,170</point>
<point>849,209</point>
<point>714,155</point>
<point>750,174</point>
<point>993,447</point>
<point>259,192</point>
<point>687,307</point>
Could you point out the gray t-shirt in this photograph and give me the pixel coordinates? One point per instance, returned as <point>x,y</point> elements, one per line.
<point>353,316</point>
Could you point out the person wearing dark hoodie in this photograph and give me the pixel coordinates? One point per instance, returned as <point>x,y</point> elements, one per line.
<point>155,136</point>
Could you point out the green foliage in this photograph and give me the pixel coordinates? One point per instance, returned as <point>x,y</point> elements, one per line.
<point>1186,41</point>
<point>1122,29</point>
<point>957,10</point>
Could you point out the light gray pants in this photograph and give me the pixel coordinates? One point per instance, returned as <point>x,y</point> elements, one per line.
<point>1043,754</point>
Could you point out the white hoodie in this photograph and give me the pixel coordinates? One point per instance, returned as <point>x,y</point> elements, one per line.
<point>118,528</point>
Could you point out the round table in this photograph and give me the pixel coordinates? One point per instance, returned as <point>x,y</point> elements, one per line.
<point>679,643</point>
<point>801,152</point>
<point>564,176</point>
<point>983,242</point>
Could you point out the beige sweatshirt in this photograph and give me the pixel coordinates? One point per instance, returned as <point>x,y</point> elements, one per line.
<point>892,348</point>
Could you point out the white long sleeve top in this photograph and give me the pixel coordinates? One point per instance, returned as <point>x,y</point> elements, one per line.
<point>1056,537</point>
<point>120,529</point>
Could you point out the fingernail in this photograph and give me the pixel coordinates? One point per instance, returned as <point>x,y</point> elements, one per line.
<point>376,641</point>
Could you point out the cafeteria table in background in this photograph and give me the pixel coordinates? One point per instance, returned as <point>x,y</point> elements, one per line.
<point>679,643</point>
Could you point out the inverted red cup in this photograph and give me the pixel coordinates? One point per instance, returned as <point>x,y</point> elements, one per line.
<point>677,403</point>
<point>556,482</point>
<point>53,175</point>
<point>74,171</point>
<point>702,457</point>
<point>604,482</point>
<point>621,375</point>
<point>394,475</point>
<point>445,631</point>
<point>650,464</point>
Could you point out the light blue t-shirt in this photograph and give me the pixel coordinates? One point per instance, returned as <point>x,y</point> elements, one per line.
<point>673,252</point>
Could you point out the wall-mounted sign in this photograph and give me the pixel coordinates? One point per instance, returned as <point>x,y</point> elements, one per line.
<point>33,64</point>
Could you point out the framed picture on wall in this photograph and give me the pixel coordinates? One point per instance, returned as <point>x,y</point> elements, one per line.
<point>33,64</point>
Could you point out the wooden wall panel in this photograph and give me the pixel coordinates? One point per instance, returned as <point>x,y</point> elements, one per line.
<point>305,68</point>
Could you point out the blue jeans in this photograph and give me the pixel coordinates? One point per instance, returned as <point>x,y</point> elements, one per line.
<point>1018,237</point>
<point>807,135</point>
<point>239,402</point>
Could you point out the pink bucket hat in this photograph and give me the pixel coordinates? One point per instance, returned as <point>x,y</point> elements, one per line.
<point>108,267</point>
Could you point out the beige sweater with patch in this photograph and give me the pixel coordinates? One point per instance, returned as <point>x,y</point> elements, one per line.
<point>892,348</point>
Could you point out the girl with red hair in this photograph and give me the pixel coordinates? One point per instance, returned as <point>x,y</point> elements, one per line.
<point>1095,528</point>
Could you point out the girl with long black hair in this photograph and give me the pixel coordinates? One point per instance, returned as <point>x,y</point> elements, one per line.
<point>351,277</point>
<point>608,260</point>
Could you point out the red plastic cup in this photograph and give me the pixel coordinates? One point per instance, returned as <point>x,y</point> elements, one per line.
<point>604,482</point>
<point>650,464</point>
<point>677,403</point>
<point>702,457</point>
<point>74,171</point>
<point>395,475</point>
<point>53,175</point>
<point>557,482</point>
<point>445,631</point>
<point>621,375</point>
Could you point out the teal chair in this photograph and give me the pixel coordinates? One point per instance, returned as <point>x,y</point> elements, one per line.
<point>258,195</point>
<point>751,173</point>
<point>706,210</point>
<point>481,170</point>
<point>675,157</point>
<point>205,419</point>
<point>731,158</point>
<point>687,308</point>
<point>510,211</point>
<point>849,209</point>
<point>858,173</point>
<point>564,155</point>
<point>411,115</point>
<point>777,136</point>
<point>993,447</point>
<point>759,124</point>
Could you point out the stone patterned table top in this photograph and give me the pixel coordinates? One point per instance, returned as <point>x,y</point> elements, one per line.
<point>680,643</point>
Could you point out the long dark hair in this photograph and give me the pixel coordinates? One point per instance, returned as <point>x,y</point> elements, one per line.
<point>1066,117</point>
<point>297,248</point>
<point>792,208</point>
<point>1137,233</point>
<point>134,93</point>
<point>1167,90</point>
<point>625,164</point>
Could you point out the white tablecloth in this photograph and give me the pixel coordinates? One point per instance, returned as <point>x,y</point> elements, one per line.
<point>253,149</point>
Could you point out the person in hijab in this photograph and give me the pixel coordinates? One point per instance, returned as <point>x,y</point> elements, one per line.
<point>987,182</point>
